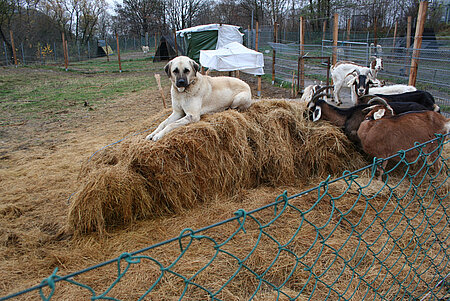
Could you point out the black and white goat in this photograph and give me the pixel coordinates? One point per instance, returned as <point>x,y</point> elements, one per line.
<point>360,85</point>
<point>342,69</point>
<point>421,97</point>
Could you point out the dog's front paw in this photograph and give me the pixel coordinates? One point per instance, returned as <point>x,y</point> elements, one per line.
<point>149,137</point>
<point>157,137</point>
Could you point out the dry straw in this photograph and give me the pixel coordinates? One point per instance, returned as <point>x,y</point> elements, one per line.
<point>269,144</point>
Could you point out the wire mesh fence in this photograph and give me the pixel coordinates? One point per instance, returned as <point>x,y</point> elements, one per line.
<point>352,238</point>
<point>433,70</point>
<point>52,53</point>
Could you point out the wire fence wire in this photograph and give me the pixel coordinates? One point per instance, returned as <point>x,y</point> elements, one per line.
<point>351,238</point>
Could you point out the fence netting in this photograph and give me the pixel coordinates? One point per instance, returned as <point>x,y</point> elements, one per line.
<point>352,238</point>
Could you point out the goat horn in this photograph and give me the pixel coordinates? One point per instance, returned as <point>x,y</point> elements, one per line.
<point>315,97</point>
<point>368,96</point>
<point>379,100</point>
<point>383,102</point>
<point>322,89</point>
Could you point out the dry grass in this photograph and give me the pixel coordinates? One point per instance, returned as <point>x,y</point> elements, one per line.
<point>270,144</point>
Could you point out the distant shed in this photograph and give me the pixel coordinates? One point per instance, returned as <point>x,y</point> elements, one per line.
<point>101,48</point>
<point>166,49</point>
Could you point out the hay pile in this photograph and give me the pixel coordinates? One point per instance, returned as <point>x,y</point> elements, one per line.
<point>269,144</point>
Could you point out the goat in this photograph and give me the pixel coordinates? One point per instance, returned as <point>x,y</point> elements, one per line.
<point>383,134</point>
<point>421,97</point>
<point>359,85</point>
<point>145,49</point>
<point>392,89</point>
<point>349,119</point>
<point>342,69</point>
<point>310,91</point>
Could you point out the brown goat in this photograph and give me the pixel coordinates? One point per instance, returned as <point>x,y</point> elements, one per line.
<point>383,134</point>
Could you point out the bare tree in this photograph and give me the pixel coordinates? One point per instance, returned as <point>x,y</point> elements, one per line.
<point>142,15</point>
<point>183,13</point>
<point>7,10</point>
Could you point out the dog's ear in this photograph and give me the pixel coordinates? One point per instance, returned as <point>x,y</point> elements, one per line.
<point>195,66</point>
<point>167,68</point>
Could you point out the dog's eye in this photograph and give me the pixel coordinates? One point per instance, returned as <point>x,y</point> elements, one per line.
<point>176,70</point>
<point>186,70</point>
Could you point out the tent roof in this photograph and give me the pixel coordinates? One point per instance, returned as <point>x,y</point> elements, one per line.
<point>204,28</point>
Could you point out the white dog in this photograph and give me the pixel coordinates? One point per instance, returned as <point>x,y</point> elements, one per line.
<point>194,94</point>
<point>145,49</point>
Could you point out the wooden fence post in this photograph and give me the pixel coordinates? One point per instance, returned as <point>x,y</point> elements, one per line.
<point>158,81</point>
<point>13,48</point>
<point>302,53</point>
<point>349,24</point>
<point>395,33</point>
<point>258,91</point>
<point>257,36</point>
<point>118,52</point>
<point>408,32</point>
<point>335,38</point>
<point>274,52</point>
<point>421,18</point>
<point>175,39</point>
<point>67,55</point>
<point>64,51</point>
<point>375,38</point>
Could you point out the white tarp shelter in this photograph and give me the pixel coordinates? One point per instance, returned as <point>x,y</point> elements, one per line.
<point>232,57</point>
<point>210,36</point>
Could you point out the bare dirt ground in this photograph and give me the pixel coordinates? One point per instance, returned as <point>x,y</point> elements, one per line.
<point>39,165</point>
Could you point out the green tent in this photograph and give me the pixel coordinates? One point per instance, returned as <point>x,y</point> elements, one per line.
<point>206,37</point>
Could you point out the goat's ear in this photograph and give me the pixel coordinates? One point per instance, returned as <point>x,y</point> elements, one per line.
<point>317,114</point>
<point>167,68</point>
<point>195,66</point>
<point>379,114</point>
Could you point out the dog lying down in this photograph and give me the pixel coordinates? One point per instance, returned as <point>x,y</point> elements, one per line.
<point>194,94</point>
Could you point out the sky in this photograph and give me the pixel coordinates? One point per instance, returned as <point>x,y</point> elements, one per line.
<point>111,4</point>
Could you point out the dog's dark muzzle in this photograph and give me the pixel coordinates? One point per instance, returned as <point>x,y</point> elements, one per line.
<point>182,82</point>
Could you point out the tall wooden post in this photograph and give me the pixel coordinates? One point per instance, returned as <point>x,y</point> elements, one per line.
<point>64,51</point>
<point>257,36</point>
<point>302,53</point>
<point>175,39</point>
<point>107,50</point>
<point>395,34</point>
<point>118,52</point>
<point>274,52</point>
<point>421,18</point>
<point>13,48</point>
<point>408,32</point>
<point>335,38</point>
<point>349,24</point>
<point>375,38</point>
<point>258,91</point>
<point>67,54</point>
<point>324,30</point>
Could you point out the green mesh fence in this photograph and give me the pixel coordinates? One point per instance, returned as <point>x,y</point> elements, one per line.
<point>352,238</point>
